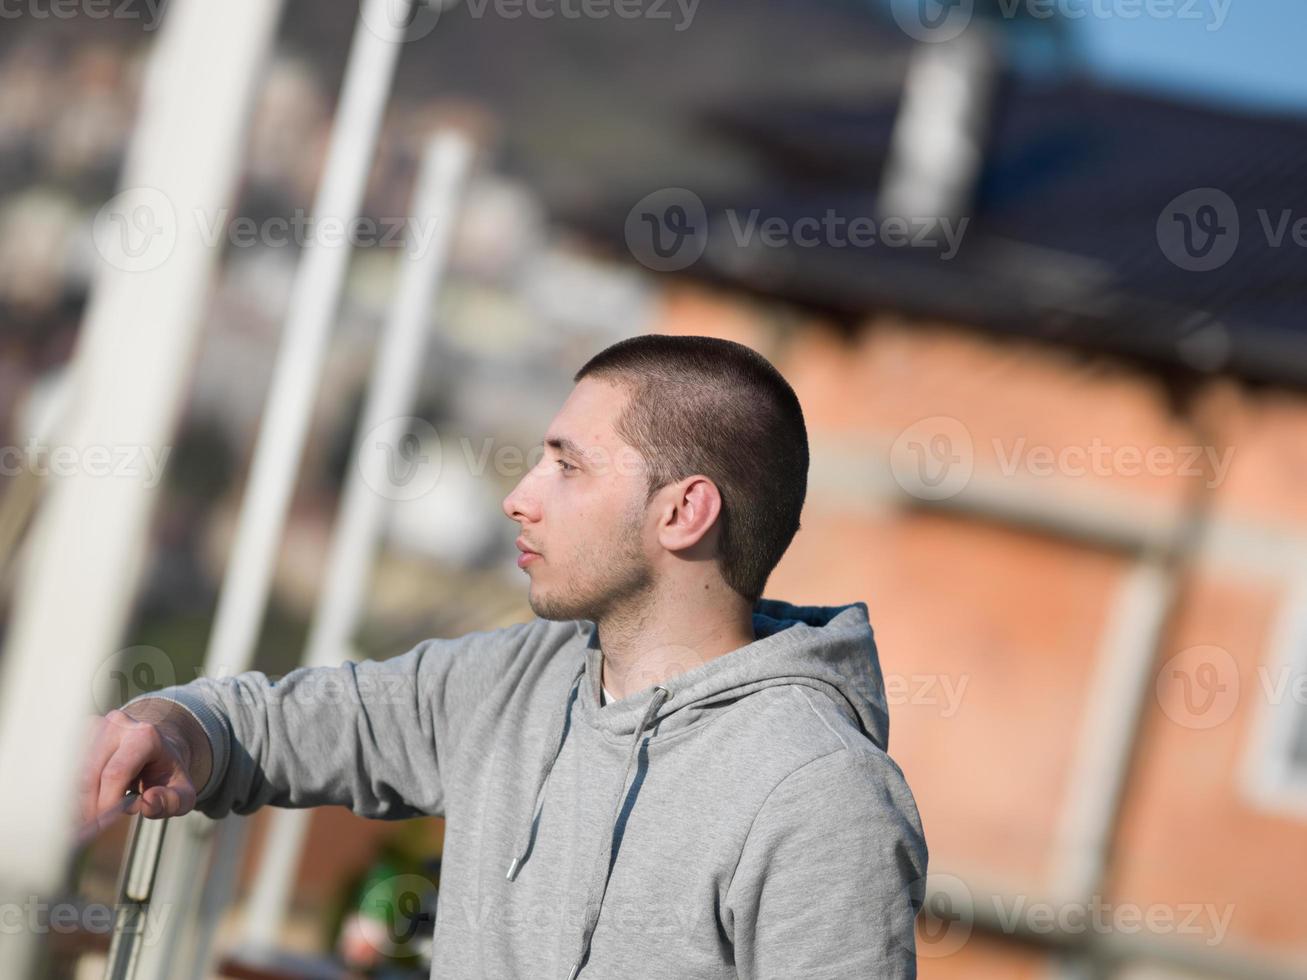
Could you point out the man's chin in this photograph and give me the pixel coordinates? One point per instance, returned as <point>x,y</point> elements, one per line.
<point>549,607</point>
<point>544,608</point>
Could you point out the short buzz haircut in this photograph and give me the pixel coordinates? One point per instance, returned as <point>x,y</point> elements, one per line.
<point>712,407</point>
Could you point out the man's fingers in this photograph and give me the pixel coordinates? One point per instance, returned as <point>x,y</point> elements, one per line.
<point>181,785</point>
<point>172,799</point>
<point>102,746</point>
<point>157,801</point>
<point>121,771</point>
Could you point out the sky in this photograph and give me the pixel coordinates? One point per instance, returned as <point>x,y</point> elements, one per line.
<point>1243,53</point>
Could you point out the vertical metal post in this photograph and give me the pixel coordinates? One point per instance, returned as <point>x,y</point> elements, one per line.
<point>136,882</point>
<point>392,391</point>
<point>379,34</point>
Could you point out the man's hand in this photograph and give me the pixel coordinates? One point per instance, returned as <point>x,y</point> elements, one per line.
<point>156,749</point>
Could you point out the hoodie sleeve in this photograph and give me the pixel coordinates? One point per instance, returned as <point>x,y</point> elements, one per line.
<point>379,737</point>
<point>831,875</point>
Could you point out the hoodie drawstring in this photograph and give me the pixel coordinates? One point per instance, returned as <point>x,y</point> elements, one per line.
<point>542,777</point>
<point>603,859</point>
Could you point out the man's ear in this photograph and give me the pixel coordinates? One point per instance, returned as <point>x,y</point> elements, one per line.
<point>693,512</point>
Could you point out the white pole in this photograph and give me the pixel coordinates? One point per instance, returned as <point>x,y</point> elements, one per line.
<point>369,74</point>
<point>314,299</point>
<point>1095,783</point>
<point>392,391</point>
<point>134,355</point>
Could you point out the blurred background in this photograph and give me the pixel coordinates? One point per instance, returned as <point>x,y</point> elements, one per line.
<point>1037,270</point>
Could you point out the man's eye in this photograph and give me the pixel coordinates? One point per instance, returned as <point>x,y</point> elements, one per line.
<point>567,467</point>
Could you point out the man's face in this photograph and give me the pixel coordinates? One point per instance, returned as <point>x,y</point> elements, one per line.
<point>582,507</point>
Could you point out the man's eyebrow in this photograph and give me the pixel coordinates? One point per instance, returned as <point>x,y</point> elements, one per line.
<point>565,445</point>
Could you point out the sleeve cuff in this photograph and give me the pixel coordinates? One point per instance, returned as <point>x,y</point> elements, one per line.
<point>213,726</point>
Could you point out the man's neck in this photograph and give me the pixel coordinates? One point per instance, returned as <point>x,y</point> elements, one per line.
<point>640,653</point>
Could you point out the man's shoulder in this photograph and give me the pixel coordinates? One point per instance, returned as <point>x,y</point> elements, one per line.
<point>792,727</point>
<point>817,752</point>
<point>806,719</point>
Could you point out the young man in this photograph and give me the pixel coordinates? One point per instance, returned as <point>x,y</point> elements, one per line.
<point>662,776</point>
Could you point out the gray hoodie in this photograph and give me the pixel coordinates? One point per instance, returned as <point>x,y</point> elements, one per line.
<point>741,819</point>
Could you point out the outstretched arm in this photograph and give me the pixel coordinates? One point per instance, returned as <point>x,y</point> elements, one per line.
<point>375,736</point>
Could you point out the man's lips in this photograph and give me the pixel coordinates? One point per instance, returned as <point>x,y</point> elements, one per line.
<point>527,556</point>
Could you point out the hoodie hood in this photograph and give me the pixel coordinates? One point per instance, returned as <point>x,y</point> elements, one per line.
<point>826,648</point>
<point>830,649</point>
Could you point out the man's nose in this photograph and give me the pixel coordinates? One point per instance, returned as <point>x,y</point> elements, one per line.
<point>515,503</point>
<point>523,503</point>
